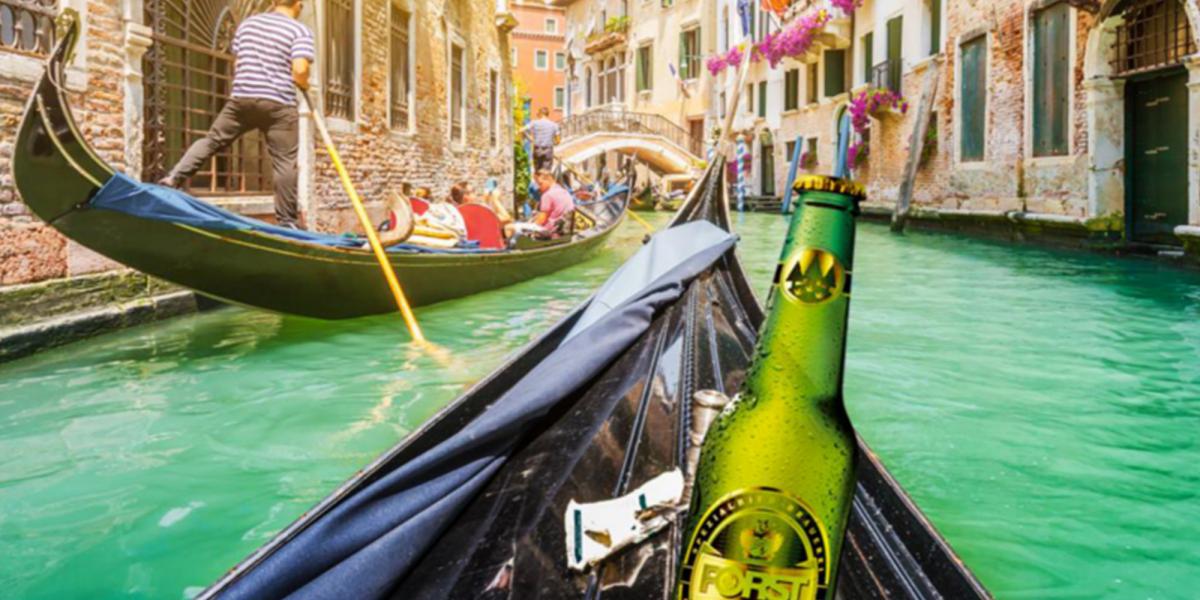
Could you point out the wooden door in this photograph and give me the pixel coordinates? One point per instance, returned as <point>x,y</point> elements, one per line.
<point>1157,157</point>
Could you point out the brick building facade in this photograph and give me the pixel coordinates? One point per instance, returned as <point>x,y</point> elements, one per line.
<point>416,91</point>
<point>1037,115</point>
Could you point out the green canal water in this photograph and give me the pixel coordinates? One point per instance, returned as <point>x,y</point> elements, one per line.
<point>1041,407</point>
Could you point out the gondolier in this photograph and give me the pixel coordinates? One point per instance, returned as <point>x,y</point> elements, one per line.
<point>544,134</point>
<point>274,54</point>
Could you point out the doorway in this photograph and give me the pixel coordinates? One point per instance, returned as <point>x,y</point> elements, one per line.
<point>1157,155</point>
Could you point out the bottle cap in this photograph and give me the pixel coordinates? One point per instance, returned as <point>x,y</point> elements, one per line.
<point>822,183</point>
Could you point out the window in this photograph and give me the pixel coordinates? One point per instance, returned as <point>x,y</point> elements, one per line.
<point>809,160</point>
<point>810,85</point>
<point>868,54</point>
<point>551,25</point>
<point>762,99</point>
<point>612,81</point>
<point>752,18</point>
<point>458,106</point>
<point>790,148</point>
<point>588,98</point>
<point>560,61</point>
<point>339,59</point>
<point>890,76</point>
<point>541,60</point>
<point>935,26</point>
<point>721,107</point>
<point>645,79</point>
<point>560,98</point>
<point>1153,34</point>
<point>493,107</point>
<point>973,92</point>
<point>689,54</point>
<point>1050,72</point>
<point>750,98</point>
<point>27,27</point>
<point>401,75</point>
<point>835,72</point>
<point>767,172</point>
<point>791,89</point>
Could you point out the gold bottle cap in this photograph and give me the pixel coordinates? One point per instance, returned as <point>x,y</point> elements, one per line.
<point>823,183</point>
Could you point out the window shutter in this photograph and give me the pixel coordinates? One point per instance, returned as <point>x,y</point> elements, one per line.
<point>835,72</point>
<point>1050,84</point>
<point>973,90</point>
<point>935,26</point>
<point>683,54</point>
<point>868,42</point>
<point>762,99</point>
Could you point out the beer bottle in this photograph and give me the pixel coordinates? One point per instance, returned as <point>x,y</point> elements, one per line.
<point>776,475</point>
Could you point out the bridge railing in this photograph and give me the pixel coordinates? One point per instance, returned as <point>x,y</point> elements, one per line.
<point>618,121</point>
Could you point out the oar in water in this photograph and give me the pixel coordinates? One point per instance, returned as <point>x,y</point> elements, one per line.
<point>388,272</point>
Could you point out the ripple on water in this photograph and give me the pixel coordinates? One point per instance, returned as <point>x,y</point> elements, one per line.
<point>1040,407</point>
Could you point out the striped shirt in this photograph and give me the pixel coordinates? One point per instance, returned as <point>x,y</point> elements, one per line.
<point>265,46</point>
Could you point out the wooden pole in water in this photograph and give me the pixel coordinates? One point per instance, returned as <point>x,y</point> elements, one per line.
<point>389,273</point>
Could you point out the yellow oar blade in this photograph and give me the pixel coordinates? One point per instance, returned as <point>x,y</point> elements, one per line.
<point>389,273</point>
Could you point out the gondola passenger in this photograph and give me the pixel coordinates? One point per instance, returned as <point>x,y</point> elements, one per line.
<point>555,209</point>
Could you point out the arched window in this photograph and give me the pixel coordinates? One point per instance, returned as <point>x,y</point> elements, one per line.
<point>1153,34</point>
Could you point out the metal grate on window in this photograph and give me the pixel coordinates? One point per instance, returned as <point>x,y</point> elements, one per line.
<point>339,58</point>
<point>1154,34</point>
<point>27,26</point>
<point>401,83</point>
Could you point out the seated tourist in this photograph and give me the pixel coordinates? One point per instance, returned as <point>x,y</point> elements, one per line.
<point>444,213</point>
<point>491,199</point>
<point>554,209</point>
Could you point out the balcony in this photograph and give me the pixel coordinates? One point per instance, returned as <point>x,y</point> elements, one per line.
<point>614,36</point>
<point>886,76</point>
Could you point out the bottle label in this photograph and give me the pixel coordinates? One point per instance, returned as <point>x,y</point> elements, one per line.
<point>756,544</point>
<point>812,276</point>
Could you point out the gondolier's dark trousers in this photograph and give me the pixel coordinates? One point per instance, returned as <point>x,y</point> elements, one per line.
<point>279,123</point>
<point>543,158</point>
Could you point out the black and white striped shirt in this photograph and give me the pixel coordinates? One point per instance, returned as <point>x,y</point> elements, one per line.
<point>265,46</point>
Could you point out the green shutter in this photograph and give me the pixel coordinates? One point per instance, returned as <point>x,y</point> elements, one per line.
<point>895,42</point>
<point>762,99</point>
<point>835,72</point>
<point>682,54</point>
<point>791,89</point>
<point>1050,85</point>
<point>868,42</point>
<point>811,84</point>
<point>973,92</point>
<point>767,184</point>
<point>935,26</point>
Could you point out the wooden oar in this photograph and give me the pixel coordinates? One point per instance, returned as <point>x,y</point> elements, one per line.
<point>388,273</point>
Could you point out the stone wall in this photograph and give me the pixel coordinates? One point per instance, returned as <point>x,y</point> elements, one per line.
<point>30,250</point>
<point>380,159</point>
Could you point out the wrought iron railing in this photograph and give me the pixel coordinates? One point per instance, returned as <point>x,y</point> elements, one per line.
<point>617,121</point>
<point>27,26</point>
<point>886,75</point>
<point>1153,34</point>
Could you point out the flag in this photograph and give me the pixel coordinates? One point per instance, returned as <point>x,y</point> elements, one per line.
<point>744,8</point>
<point>679,80</point>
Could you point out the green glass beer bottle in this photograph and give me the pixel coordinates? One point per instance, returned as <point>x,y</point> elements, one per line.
<point>776,474</point>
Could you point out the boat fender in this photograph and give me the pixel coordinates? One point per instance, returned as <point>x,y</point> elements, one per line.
<point>597,530</point>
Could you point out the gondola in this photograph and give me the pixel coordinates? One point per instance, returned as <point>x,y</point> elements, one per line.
<point>242,261</point>
<point>488,523</point>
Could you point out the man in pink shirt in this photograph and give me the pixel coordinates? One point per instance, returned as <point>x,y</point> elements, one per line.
<point>556,203</point>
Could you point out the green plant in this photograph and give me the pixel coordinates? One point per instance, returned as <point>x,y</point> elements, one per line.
<point>930,143</point>
<point>521,163</point>
<point>617,24</point>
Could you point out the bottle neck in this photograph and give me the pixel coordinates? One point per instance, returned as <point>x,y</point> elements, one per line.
<point>803,344</point>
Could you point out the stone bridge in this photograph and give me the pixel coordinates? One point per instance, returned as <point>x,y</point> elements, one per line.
<point>652,138</point>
